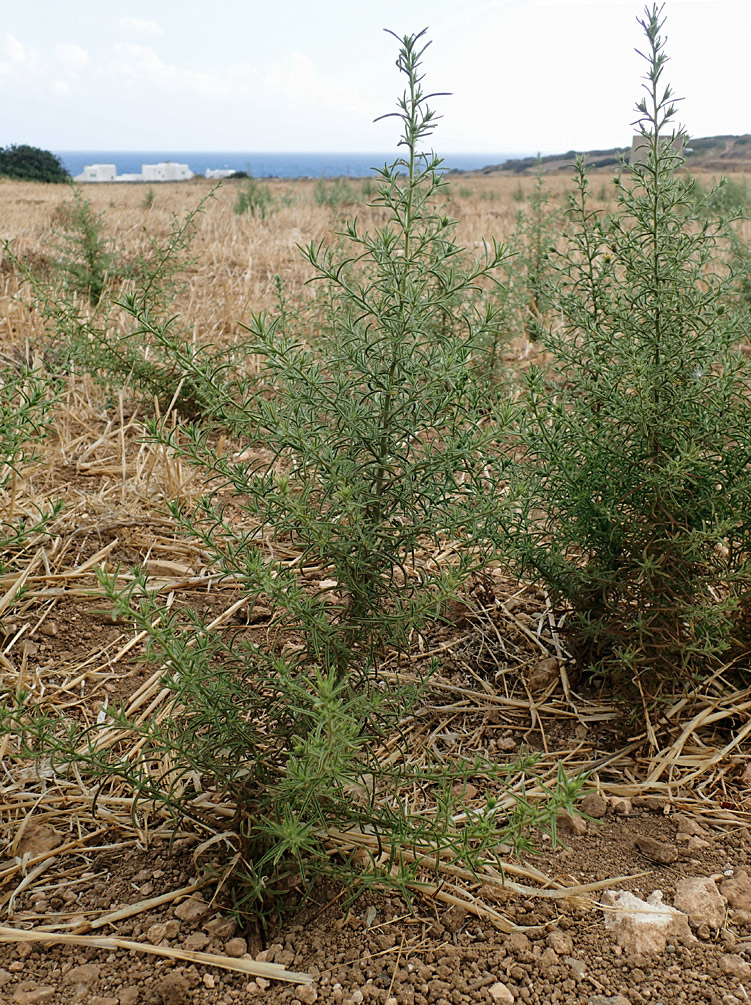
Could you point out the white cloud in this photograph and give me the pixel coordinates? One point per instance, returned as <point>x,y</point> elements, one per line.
<point>72,58</point>
<point>139,64</point>
<point>15,57</point>
<point>138,25</point>
<point>60,88</point>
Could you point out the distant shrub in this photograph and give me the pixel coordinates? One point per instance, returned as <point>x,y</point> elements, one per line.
<point>254,198</point>
<point>84,257</point>
<point>334,193</point>
<point>25,163</point>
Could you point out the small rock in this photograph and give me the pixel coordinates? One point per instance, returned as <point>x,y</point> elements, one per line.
<point>568,824</point>
<point>357,996</point>
<point>594,805</point>
<point>192,909</point>
<point>208,981</point>
<point>650,802</point>
<point>695,843</point>
<point>221,927</point>
<point>543,674</point>
<point>699,898</point>
<point>32,995</point>
<point>608,1000</point>
<point>155,933</point>
<point>506,743</point>
<point>106,1000</point>
<point>734,966</point>
<point>306,993</point>
<point>83,979</point>
<point>688,826</point>
<point>391,1001</point>
<point>16,966</point>
<point>49,628</point>
<point>517,942</point>
<point>464,790</point>
<point>737,890</point>
<point>252,988</point>
<point>577,967</point>
<point>641,927</point>
<point>550,958</point>
<point>5,976</point>
<point>195,942</point>
<point>129,995</point>
<point>621,806</point>
<point>263,984</point>
<point>560,942</point>
<point>657,851</point>
<point>500,993</point>
<point>236,948</point>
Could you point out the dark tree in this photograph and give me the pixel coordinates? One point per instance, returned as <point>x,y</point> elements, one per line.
<point>27,163</point>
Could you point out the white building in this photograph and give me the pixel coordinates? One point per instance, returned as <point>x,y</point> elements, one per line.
<point>165,171</point>
<point>97,172</point>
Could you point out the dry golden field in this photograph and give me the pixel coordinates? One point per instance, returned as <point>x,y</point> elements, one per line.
<point>107,890</point>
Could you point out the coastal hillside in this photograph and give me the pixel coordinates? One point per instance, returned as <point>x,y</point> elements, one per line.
<point>724,154</point>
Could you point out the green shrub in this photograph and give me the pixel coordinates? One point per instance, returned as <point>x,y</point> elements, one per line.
<point>729,198</point>
<point>25,163</point>
<point>84,256</point>
<point>378,433</point>
<point>26,401</point>
<point>335,193</point>
<point>637,441</point>
<point>378,428</point>
<point>254,198</point>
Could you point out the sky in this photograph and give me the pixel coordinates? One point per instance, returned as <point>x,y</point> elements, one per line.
<point>298,75</point>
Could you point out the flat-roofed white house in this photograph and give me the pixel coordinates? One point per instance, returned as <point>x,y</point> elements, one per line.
<point>96,172</point>
<point>164,171</point>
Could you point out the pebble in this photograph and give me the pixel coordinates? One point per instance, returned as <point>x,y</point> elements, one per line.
<point>5,976</point>
<point>195,942</point>
<point>307,993</point>
<point>236,947</point>
<point>221,927</point>
<point>621,806</point>
<point>33,995</point>
<point>657,851</point>
<point>500,993</point>
<point>594,805</point>
<point>734,966</point>
<point>129,995</point>
<point>560,942</point>
<point>191,909</point>
<point>208,981</point>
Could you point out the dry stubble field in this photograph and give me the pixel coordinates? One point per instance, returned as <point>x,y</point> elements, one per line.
<point>123,917</point>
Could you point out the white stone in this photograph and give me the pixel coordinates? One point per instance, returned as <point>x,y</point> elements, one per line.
<point>500,993</point>
<point>699,898</point>
<point>644,926</point>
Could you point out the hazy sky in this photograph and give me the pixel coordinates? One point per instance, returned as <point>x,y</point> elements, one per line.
<point>303,75</point>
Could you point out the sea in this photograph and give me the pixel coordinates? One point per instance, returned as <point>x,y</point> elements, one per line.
<point>266,164</point>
